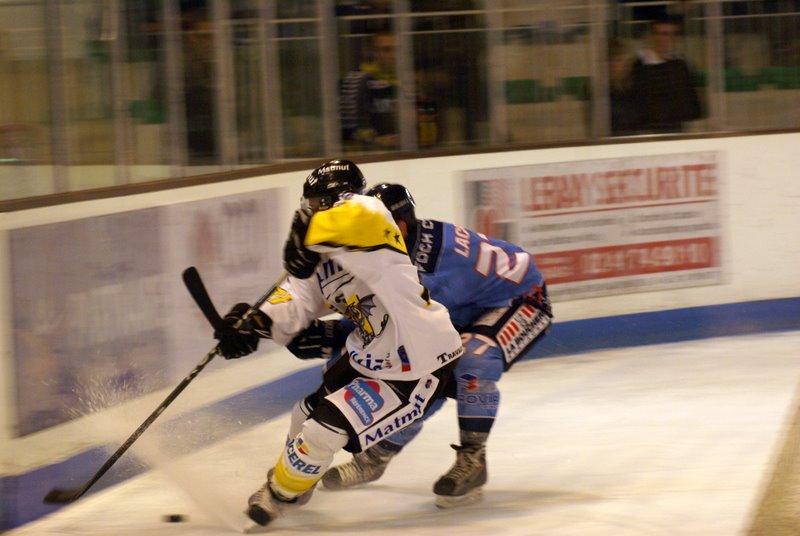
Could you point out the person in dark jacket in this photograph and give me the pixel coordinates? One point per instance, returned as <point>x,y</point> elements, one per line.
<point>662,82</point>
<point>369,98</point>
<point>625,117</point>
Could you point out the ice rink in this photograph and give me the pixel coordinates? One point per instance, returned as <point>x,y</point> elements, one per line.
<point>669,439</point>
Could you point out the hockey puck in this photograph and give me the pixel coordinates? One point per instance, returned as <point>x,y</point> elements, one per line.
<point>174,518</point>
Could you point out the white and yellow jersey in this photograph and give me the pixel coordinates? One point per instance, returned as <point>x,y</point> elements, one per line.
<point>366,275</point>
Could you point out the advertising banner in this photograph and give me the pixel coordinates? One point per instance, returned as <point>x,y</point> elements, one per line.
<point>610,226</point>
<point>99,311</point>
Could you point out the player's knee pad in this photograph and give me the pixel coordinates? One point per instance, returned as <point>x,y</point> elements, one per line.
<point>322,440</point>
<point>306,457</point>
<point>300,413</point>
<point>482,358</point>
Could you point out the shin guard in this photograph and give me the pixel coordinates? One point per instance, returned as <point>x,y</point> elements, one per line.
<point>305,459</point>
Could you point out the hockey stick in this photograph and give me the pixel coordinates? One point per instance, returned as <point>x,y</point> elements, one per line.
<point>198,291</point>
<point>193,282</point>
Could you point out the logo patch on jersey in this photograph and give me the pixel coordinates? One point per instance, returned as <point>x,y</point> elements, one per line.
<point>471,382</point>
<point>359,310</point>
<point>326,271</point>
<point>280,295</point>
<point>412,410</point>
<point>370,362</point>
<point>358,398</point>
<point>405,364</point>
<point>292,449</point>
<point>520,330</point>
<point>428,247</point>
<point>300,447</point>
<point>482,400</point>
<point>363,396</point>
<point>446,357</point>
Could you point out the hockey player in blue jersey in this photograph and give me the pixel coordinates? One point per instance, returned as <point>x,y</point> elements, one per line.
<point>497,300</point>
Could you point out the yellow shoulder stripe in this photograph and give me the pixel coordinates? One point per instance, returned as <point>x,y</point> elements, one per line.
<point>354,226</point>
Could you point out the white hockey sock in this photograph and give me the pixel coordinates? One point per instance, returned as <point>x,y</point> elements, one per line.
<point>305,458</point>
<point>300,412</point>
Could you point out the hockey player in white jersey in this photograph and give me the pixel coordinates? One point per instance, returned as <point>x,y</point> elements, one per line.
<point>496,298</point>
<point>345,253</point>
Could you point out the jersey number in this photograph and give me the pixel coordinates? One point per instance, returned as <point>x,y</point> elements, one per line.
<point>494,257</point>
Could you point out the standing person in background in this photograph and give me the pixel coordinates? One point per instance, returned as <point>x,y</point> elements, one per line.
<point>662,82</point>
<point>625,116</point>
<point>198,86</point>
<point>370,101</point>
<point>369,97</point>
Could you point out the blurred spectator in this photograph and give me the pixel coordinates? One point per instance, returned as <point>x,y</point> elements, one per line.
<point>369,97</point>
<point>363,13</point>
<point>662,82</point>
<point>199,86</point>
<point>369,101</point>
<point>625,116</point>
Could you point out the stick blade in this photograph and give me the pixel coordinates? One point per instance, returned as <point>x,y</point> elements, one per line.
<point>194,284</point>
<point>62,496</point>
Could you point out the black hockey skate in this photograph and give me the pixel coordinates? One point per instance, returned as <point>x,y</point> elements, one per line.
<point>363,468</point>
<point>264,506</point>
<point>463,483</point>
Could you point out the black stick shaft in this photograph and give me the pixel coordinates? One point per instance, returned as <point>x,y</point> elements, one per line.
<point>64,496</point>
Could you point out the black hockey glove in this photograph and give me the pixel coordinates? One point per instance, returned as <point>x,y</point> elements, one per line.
<point>299,261</point>
<point>238,342</point>
<point>321,339</point>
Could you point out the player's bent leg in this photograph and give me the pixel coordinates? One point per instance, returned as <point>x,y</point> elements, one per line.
<point>300,414</point>
<point>300,466</point>
<point>377,410</point>
<point>369,466</point>
<point>477,374</point>
<point>363,468</point>
<point>478,399</point>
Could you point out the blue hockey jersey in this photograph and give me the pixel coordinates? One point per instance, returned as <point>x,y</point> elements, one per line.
<point>468,272</point>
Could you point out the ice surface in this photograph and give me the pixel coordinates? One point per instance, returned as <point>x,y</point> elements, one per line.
<point>668,439</point>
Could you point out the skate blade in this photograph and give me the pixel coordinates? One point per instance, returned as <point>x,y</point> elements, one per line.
<point>255,528</point>
<point>449,501</point>
<point>327,486</point>
<point>259,519</point>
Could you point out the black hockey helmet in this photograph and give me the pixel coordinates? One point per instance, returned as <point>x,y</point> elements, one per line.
<point>330,180</point>
<point>398,200</point>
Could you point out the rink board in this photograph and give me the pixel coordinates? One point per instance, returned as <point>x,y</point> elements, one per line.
<point>21,494</point>
<point>759,254</point>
